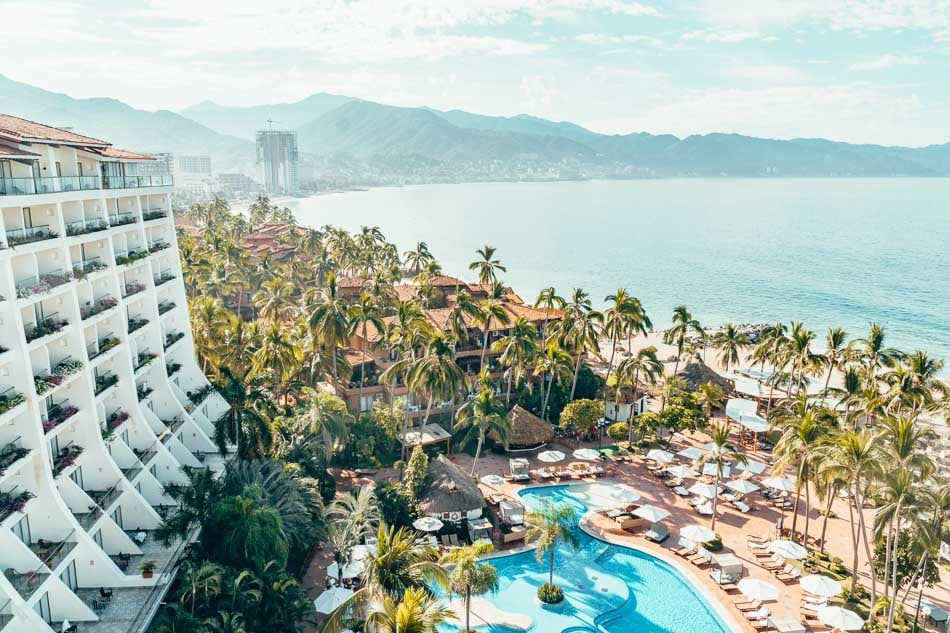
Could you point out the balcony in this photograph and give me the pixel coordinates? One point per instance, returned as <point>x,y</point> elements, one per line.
<point>158,245</point>
<point>32,185</point>
<point>41,284</point>
<point>143,392</point>
<point>136,182</point>
<point>57,414</point>
<point>18,237</point>
<point>144,359</point>
<point>122,219</point>
<point>84,227</point>
<point>154,214</point>
<point>104,381</point>
<point>136,323</point>
<point>171,338</point>
<point>27,584</point>
<point>13,501</point>
<point>101,346</point>
<point>88,266</point>
<point>52,553</point>
<point>11,453</point>
<point>200,395</point>
<point>47,380</point>
<point>98,307</point>
<point>105,499</point>
<point>47,327</point>
<point>172,368</point>
<point>66,458</point>
<point>146,456</point>
<point>10,399</point>
<point>165,306</point>
<point>116,419</point>
<point>132,288</point>
<point>130,257</point>
<point>163,277</point>
<point>174,424</point>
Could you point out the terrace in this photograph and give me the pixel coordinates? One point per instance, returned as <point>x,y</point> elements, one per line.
<point>84,227</point>
<point>144,359</point>
<point>88,266</point>
<point>18,237</point>
<point>47,327</point>
<point>32,185</point>
<point>165,306</point>
<point>57,414</point>
<point>154,214</point>
<point>130,257</point>
<point>47,380</point>
<point>53,553</point>
<point>98,307</point>
<point>102,346</point>
<point>41,284</point>
<point>11,453</point>
<point>13,501</point>
<point>66,458</point>
<point>173,337</point>
<point>122,219</point>
<point>132,288</point>
<point>9,399</point>
<point>136,323</point>
<point>163,277</point>
<point>105,380</point>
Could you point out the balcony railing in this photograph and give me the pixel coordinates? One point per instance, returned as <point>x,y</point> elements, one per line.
<point>57,414</point>
<point>13,501</point>
<point>154,214</point>
<point>131,256</point>
<point>16,237</point>
<point>132,288</point>
<point>27,584</point>
<point>165,306</point>
<point>158,245</point>
<point>87,266</point>
<point>47,380</point>
<point>66,458</point>
<point>143,391</point>
<point>144,359</point>
<point>10,398</point>
<point>41,284</point>
<point>163,277</point>
<point>121,219</point>
<point>173,337</point>
<point>172,368</point>
<point>53,553</point>
<point>134,182</point>
<point>48,326</point>
<point>116,419</point>
<point>104,381</point>
<point>136,323</point>
<point>99,306</point>
<point>46,184</point>
<point>146,456</point>
<point>101,346</point>
<point>108,497</point>
<point>11,453</point>
<point>82,227</point>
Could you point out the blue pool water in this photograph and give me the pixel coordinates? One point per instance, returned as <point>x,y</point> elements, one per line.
<point>608,588</point>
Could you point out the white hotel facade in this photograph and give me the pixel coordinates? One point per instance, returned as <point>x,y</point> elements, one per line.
<point>96,367</point>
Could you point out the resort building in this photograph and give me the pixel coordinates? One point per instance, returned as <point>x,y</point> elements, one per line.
<point>101,399</point>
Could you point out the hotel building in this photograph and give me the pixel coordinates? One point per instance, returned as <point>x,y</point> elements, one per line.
<point>101,399</point>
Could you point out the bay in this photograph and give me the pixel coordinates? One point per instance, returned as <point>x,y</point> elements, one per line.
<point>844,252</point>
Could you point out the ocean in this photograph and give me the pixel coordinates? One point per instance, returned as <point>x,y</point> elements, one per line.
<point>828,252</point>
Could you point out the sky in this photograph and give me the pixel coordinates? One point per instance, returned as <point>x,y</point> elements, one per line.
<point>873,71</point>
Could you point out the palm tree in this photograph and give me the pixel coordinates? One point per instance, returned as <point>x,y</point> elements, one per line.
<point>468,576</point>
<point>226,622</point>
<point>365,311</point>
<point>400,563</point>
<point>550,300</point>
<point>416,612</point>
<point>330,321</point>
<point>579,330</point>
<point>836,347</point>
<point>491,309</point>
<point>200,580</point>
<point>897,495</point>
<point>623,316</point>
<point>325,416</point>
<point>553,365</point>
<point>277,355</point>
<point>644,363</point>
<point>417,259</point>
<point>730,341</point>
<point>802,359</point>
<point>246,423</point>
<point>721,454</point>
<point>462,314</point>
<point>436,374</point>
<point>358,509</point>
<point>549,525</point>
<point>518,349</point>
<point>873,354</point>
<point>487,266</point>
<point>207,318</point>
<point>683,324</point>
<point>481,416</point>
<point>275,301</point>
<point>239,340</point>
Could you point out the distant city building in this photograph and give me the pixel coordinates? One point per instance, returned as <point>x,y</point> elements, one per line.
<point>164,163</point>
<point>277,161</point>
<point>195,165</point>
<point>193,174</point>
<point>235,183</point>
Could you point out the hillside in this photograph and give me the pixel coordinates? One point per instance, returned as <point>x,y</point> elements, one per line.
<point>243,122</point>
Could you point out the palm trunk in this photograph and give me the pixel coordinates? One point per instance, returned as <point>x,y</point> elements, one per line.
<point>824,523</point>
<point>636,378</point>
<point>887,553</point>
<point>428,409</point>
<point>362,372</point>
<point>679,352</point>
<point>893,605</point>
<point>508,392</point>
<point>478,451</point>
<point>544,404</point>
<point>551,567</point>
<point>831,369</point>
<point>798,496</point>
<point>867,551</point>
<point>716,496</point>
<point>610,366</point>
<point>807,509</point>
<point>855,539</point>
<point>577,369</point>
<point>468,609</point>
<point>481,363</point>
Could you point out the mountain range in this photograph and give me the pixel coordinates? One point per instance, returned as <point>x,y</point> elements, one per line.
<point>456,144</point>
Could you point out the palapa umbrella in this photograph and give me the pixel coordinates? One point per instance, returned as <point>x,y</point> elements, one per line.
<point>741,486</point>
<point>820,585</point>
<point>697,533</point>
<point>756,589</point>
<point>703,490</point>
<point>841,619</point>
<point>493,480</point>
<point>661,456</point>
<point>331,599</point>
<point>779,483</point>
<point>788,549</point>
<point>681,471</point>
<point>691,453</point>
<point>587,454</point>
<point>550,456</point>
<point>650,513</point>
<point>427,524</point>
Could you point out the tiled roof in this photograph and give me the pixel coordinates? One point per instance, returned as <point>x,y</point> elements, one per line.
<point>16,152</point>
<point>112,152</point>
<point>442,281</point>
<point>25,130</point>
<point>357,356</point>
<point>349,282</point>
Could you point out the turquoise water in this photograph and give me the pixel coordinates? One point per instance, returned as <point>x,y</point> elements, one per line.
<point>608,588</point>
<point>824,251</point>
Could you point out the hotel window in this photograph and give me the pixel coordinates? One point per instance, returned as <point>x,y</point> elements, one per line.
<point>42,607</point>
<point>69,576</point>
<point>22,530</point>
<point>6,169</point>
<point>97,537</point>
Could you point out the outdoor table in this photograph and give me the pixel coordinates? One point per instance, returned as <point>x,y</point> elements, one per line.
<point>787,624</point>
<point>728,563</point>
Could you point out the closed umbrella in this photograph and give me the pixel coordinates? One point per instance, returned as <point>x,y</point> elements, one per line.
<point>742,486</point>
<point>661,456</point>
<point>650,513</point>
<point>682,471</point>
<point>703,490</point>
<point>351,570</point>
<point>838,618</point>
<point>587,454</point>
<point>493,480</point>
<point>550,456</point>
<point>331,599</point>
<point>779,483</point>
<point>819,585</point>
<point>697,533</point>
<point>427,524</point>
<point>756,589</point>
<point>788,549</point>
<point>690,453</point>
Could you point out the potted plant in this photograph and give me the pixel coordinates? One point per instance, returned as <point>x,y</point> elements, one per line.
<point>147,568</point>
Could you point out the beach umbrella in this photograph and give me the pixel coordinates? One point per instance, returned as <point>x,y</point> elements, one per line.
<point>427,524</point>
<point>756,589</point>
<point>661,456</point>
<point>624,495</point>
<point>697,533</point>
<point>331,599</point>
<point>934,612</point>
<point>351,570</point>
<point>756,468</point>
<point>360,552</point>
<point>838,618</point>
<point>587,454</point>
<point>691,453</point>
<point>779,483</point>
<point>742,486</point>
<point>788,549</point>
<point>682,471</point>
<point>493,480</point>
<point>819,585</point>
<point>652,514</point>
<point>550,456</point>
<point>711,468</point>
<point>703,490</point>
<point>755,424</point>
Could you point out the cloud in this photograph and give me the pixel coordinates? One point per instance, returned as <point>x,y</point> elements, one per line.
<point>604,39</point>
<point>885,61</point>
<point>766,73</point>
<point>724,36</point>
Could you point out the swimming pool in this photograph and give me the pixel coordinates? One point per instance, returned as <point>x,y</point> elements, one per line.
<point>608,588</point>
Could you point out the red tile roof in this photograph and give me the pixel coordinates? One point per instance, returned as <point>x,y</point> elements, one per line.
<point>26,130</point>
<point>16,152</point>
<point>112,152</point>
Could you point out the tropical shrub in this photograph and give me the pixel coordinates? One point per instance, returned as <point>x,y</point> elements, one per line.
<point>550,593</point>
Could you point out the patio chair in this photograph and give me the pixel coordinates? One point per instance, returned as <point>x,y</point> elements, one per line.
<point>748,605</point>
<point>657,534</point>
<point>762,613</point>
<point>789,576</point>
<point>683,547</point>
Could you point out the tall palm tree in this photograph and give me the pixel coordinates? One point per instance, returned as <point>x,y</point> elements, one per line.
<point>550,300</point>
<point>487,266</point>
<point>436,374</point>
<point>730,341</point>
<point>329,319</point>
<point>468,576</point>
<point>579,331</point>
<point>481,416</point>
<point>276,355</point>
<point>553,365</point>
<point>200,581</point>
<point>836,346</point>
<point>550,525</point>
<point>208,316</point>
<point>400,563</point>
<point>365,311</point>
<point>896,494</point>
<point>462,314</point>
<point>643,364</point>
<point>683,325</point>
<point>239,340</point>
<point>417,258</point>
<point>275,301</point>
<point>415,612</point>
<point>518,349</point>
<point>722,452</point>
<point>359,509</point>
<point>802,359</point>
<point>246,424</point>
<point>491,310</point>
<point>873,354</point>
<point>619,319</point>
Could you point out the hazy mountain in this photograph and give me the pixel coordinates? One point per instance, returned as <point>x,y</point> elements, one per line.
<point>123,125</point>
<point>243,122</point>
<point>521,124</point>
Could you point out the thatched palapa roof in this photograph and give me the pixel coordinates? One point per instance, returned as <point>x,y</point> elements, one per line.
<point>696,374</point>
<point>449,489</point>
<point>527,429</point>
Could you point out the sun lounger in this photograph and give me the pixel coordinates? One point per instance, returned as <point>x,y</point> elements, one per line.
<point>705,510</point>
<point>757,539</point>
<point>741,507</point>
<point>700,558</point>
<point>658,533</point>
<point>681,491</point>
<point>762,625</point>
<point>683,547</point>
<point>544,473</point>
<point>673,483</point>
<point>756,615</point>
<point>748,605</point>
<point>789,576</point>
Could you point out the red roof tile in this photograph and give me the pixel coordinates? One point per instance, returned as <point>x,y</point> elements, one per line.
<point>16,152</point>
<point>26,130</point>
<point>111,152</point>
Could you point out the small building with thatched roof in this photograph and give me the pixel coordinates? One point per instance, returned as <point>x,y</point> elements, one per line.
<point>450,493</point>
<point>527,432</point>
<point>695,374</point>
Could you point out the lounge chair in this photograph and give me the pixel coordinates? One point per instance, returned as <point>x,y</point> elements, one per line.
<point>752,538</point>
<point>760,614</point>
<point>789,576</point>
<point>748,605</point>
<point>705,510</point>
<point>741,507</point>
<point>658,533</point>
<point>544,473</point>
<point>683,547</point>
<point>681,491</point>
<point>673,483</point>
<point>762,625</point>
<point>701,558</point>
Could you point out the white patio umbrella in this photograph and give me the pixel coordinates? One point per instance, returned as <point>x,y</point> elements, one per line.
<point>750,466</point>
<point>742,486</point>
<point>550,456</point>
<point>711,468</point>
<point>661,456</point>
<point>427,524</point>
<point>691,453</point>
<point>838,618</point>
<point>779,483</point>
<point>703,490</point>
<point>819,585</point>
<point>331,599</point>
<point>758,589</point>
<point>697,533</point>
<point>682,471</point>
<point>351,570</point>
<point>587,454</point>
<point>360,552</point>
<point>650,513</point>
<point>623,494</point>
<point>493,480</point>
<point>788,549</point>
